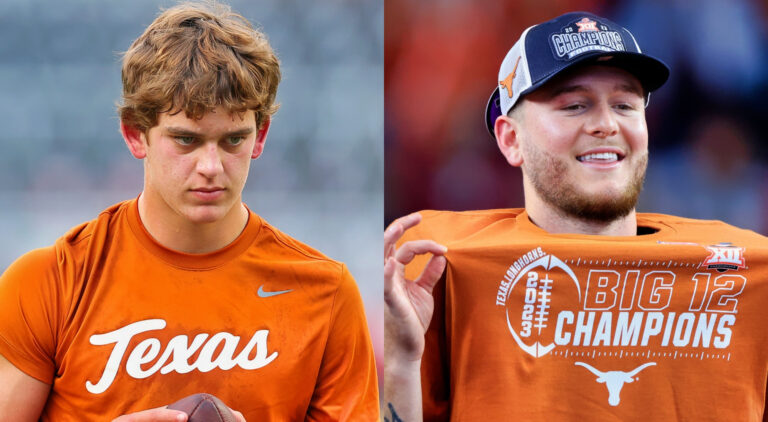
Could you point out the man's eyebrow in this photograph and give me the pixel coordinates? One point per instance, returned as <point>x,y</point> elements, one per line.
<point>240,132</point>
<point>180,131</point>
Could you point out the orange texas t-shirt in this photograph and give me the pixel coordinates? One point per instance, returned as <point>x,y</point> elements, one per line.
<point>117,323</point>
<point>533,326</point>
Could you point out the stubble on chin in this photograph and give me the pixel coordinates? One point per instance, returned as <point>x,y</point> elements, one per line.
<point>549,177</point>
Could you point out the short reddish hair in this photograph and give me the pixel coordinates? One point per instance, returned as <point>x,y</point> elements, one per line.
<point>193,58</point>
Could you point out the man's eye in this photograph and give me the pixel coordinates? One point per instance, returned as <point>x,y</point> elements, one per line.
<point>574,107</point>
<point>235,140</point>
<point>184,140</point>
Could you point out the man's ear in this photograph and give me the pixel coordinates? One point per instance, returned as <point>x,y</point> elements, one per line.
<point>134,139</point>
<point>261,138</point>
<point>507,131</point>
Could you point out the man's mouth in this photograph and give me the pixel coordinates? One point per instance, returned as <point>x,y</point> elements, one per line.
<point>213,189</point>
<point>601,157</point>
<point>208,193</point>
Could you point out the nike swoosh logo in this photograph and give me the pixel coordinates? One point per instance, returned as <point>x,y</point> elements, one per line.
<point>262,293</point>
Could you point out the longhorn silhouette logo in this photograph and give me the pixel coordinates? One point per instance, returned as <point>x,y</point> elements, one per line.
<point>614,380</point>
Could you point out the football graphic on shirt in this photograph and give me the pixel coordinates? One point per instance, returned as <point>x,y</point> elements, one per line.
<point>204,407</point>
<point>538,287</point>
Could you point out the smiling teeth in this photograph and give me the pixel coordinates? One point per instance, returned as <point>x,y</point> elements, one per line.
<point>600,156</point>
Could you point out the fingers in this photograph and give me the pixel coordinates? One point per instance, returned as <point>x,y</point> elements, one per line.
<point>409,250</point>
<point>389,273</point>
<point>159,414</point>
<point>432,273</point>
<point>239,416</point>
<point>395,231</point>
<point>396,258</point>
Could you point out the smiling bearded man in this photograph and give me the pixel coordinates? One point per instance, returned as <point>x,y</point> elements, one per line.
<point>549,177</point>
<point>577,307</point>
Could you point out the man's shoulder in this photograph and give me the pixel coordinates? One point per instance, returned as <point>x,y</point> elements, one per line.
<point>703,230</point>
<point>280,247</point>
<point>53,269</point>
<point>70,246</point>
<point>33,264</point>
<point>472,215</point>
<point>98,227</point>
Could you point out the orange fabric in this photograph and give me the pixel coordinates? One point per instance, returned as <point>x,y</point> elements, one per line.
<point>617,328</point>
<point>118,323</point>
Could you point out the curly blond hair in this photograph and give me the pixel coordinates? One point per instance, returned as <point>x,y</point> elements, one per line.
<point>193,58</point>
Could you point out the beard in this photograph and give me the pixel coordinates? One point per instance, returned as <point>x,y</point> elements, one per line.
<point>549,176</point>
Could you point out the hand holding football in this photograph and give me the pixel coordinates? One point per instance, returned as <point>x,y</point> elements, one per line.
<point>203,407</point>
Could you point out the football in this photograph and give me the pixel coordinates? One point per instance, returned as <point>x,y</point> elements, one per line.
<point>203,407</point>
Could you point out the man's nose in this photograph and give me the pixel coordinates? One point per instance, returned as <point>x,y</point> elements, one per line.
<point>602,122</point>
<point>209,160</point>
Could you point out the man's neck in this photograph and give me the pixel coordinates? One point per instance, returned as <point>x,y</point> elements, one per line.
<point>175,232</point>
<point>555,221</point>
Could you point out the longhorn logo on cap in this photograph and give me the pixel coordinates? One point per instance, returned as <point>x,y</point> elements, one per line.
<point>507,82</point>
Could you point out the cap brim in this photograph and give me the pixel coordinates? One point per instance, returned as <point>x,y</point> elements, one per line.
<point>651,72</point>
<point>492,111</point>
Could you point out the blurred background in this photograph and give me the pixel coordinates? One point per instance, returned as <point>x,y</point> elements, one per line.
<point>319,180</point>
<point>708,145</point>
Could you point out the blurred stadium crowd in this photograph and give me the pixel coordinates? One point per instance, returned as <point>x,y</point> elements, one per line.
<point>319,180</point>
<point>708,145</point>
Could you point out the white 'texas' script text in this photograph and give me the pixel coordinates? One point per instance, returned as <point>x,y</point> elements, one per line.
<point>175,357</point>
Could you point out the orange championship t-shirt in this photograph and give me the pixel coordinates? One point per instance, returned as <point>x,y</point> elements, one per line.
<point>533,326</point>
<point>117,323</point>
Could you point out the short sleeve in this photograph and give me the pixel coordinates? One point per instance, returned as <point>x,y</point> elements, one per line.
<point>27,329</point>
<point>347,387</point>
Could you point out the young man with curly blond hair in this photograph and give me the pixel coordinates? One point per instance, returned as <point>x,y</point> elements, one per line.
<point>185,290</point>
